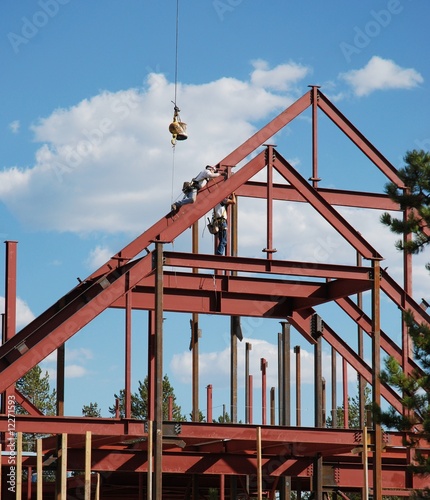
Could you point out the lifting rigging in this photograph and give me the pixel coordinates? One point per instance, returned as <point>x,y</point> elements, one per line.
<point>177,128</point>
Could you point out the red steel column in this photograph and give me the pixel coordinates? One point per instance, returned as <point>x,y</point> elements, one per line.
<point>376,381</point>
<point>263,391</point>
<point>9,318</point>
<point>209,417</point>
<point>298,387</point>
<point>314,97</point>
<point>158,427</point>
<point>128,308</point>
<point>269,165</point>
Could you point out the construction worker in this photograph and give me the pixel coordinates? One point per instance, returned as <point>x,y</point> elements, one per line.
<point>220,218</point>
<point>191,189</point>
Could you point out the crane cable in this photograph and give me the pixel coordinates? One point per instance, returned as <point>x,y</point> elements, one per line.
<point>176,51</point>
<point>177,128</point>
<point>176,93</point>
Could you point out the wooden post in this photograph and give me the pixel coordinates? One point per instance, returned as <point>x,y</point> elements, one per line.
<point>19,465</point>
<point>259,468</point>
<point>63,466</point>
<point>39,469</point>
<point>88,465</point>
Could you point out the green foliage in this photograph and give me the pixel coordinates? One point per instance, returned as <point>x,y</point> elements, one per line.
<point>91,410</point>
<point>139,402</point>
<point>353,411</point>
<point>414,393</point>
<point>416,197</point>
<point>35,387</point>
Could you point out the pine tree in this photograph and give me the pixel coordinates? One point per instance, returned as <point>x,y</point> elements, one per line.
<point>91,410</point>
<point>139,402</point>
<point>35,387</point>
<point>416,177</point>
<point>414,387</point>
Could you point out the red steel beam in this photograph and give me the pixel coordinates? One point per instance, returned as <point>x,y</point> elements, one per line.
<point>314,198</point>
<point>29,347</point>
<point>301,322</point>
<point>358,139</point>
<point>340,197</point>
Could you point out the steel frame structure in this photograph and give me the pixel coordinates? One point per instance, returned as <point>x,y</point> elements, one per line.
<point>156,459</point>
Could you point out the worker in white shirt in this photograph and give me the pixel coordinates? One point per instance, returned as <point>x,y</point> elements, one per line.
<point>192,188</point>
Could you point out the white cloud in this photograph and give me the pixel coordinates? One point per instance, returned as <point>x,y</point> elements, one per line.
<point>75,371</point>
<point>381,74</point>
<point>106,164</point>
<point>281,78</point>
<point>14,126</point>
<point>98,256</point>
<point>23,312</point>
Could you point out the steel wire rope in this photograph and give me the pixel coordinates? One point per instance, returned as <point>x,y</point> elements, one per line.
<point>176,90</point>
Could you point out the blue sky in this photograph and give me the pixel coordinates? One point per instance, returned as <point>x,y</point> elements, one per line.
<point>87,164</point>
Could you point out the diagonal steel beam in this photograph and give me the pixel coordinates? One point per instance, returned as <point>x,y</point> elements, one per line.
<point>301,321</point>
<point>358,139</point>
<point>312,196</point>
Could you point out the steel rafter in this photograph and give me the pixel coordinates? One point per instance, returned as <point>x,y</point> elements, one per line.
<point>233,286</point>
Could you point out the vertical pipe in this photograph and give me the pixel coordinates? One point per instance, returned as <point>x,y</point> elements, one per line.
<point>365,493</point>
<point>234,329</point>
<point>361,380</point>
<point>259,467</point>
<point>248,347</point>
<point>317,377</point>
<point>150,461</point>
<point>60,412</point>
<point>376,381</point>
<point>158,451</point>
<point>151,365</point>
<point>39,469</point>
<point>195,337</point>
<point>60,379</point>
<point>316,331</point>
<point>333,388</point>
<point>298,387</point>
<point>222,487</point>
<point>251,399</point>
<point>209,417</point>
<point>280,379</point>
<point>269,165</point>
<point>87,487</point>
<point>345,394</point>
<point>272,406</point>
<point>10,290</point>
<point>9,317</point>
<point>286,373</point>
<point>314,98</point>
<point>323,406</point>
<point>263,367</point>
<point>127,374</point>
